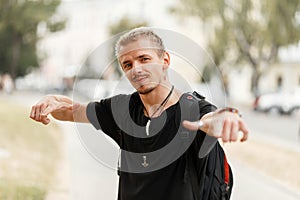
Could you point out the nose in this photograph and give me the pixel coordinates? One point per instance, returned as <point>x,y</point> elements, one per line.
<point>136,68</point>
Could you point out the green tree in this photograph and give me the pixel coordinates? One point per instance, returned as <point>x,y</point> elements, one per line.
<point>19,22</point>
<point>253,31</point>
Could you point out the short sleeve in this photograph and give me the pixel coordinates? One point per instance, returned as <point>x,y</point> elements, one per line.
<point>91,115</point>
<point>100,116</point>
<point>206,107</point>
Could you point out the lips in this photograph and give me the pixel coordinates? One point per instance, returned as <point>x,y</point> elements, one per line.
<point>140,78</point>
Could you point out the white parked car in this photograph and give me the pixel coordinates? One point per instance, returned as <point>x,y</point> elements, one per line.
<point>278,102</point>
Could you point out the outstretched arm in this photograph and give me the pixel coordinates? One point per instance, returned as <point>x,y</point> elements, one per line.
<point>60,107</point>
<point>221,124</point>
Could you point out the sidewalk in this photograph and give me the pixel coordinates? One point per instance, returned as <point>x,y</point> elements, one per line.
<point>250,185</point>
<point>89,179</point>
<point>61,187</point>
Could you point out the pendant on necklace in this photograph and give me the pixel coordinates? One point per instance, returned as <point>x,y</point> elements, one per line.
<point>147,127</point>
<point>145,164</point>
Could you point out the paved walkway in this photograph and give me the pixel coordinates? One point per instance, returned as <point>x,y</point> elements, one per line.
<point>252,185</point>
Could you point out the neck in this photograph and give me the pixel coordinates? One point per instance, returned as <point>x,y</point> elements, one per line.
<point>154,99</point>
<point>157,95</point>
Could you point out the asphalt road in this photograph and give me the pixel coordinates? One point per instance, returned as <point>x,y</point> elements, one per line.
<point>280,129</point>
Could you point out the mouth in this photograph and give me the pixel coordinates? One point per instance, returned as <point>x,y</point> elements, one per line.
<point>139,79</point>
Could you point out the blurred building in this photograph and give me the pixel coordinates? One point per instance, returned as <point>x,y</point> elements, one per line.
<point>283,76</point>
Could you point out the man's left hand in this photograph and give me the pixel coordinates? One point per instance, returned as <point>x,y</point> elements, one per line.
<point>226,125</point>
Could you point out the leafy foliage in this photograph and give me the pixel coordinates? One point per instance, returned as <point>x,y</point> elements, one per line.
<point>19,22</point>
<point>125,24</point>
<point>251,30</point>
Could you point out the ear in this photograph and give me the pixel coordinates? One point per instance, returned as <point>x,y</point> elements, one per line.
<point>166,58</point>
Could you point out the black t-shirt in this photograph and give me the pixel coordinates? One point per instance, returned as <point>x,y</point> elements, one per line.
<point>147,172</point>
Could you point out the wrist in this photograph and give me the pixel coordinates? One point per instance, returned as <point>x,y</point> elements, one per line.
<point>229,109</point>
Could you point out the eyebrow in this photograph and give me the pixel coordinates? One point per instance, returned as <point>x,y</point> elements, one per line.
<point>143,55</point>
<point>138,57</point>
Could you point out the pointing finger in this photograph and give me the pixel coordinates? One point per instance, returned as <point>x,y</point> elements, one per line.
<point>226,131</point>
<point>245,131</point>
<point>37,113</point>
<point>234,132</point>
<point>32,113</point>
<point>43,106</point>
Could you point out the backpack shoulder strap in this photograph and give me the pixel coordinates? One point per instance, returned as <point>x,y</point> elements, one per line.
<point>196,94</point>
<point>189,101</point>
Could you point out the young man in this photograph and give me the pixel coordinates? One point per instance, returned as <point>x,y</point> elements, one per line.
<point>147,121</point>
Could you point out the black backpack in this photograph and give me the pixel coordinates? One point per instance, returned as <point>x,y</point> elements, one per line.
<point>216,178</point>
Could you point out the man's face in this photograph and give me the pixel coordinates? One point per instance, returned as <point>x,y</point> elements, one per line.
<point>143,67</point>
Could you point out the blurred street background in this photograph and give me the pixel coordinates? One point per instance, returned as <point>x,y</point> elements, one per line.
<point>250,60</point>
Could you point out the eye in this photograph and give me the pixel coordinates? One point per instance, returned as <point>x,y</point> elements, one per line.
<point>127,66</point>
<point>144,59</point>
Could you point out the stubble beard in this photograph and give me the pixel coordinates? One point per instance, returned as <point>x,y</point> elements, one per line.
<point>146,90</point>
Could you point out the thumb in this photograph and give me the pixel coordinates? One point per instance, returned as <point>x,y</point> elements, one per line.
<point>193,126</point>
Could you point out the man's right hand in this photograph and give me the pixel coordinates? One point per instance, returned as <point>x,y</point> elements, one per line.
<point>60,107</point>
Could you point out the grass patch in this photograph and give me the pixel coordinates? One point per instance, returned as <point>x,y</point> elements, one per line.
<point>11,191</point>
<point>32,152</point>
